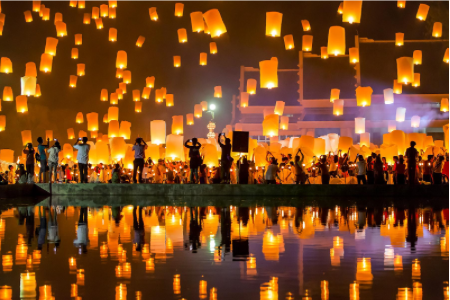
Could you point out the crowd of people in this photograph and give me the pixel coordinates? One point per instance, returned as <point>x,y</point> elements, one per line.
<point>334,168</point>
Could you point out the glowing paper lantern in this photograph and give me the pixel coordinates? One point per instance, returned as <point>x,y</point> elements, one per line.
<point>175,147</point>
<point>214,22</point>
<point>360,125</point>
<point>73,81</point>
<point>338,107</point>
<point>153,14</point>
<point>104,95</point>
<point>2,123</point>
<point>159,95</point>
<point>46,63</point>
<point>271,125</point>
<point>203,59</point>
<point>284,123</point>
<point>305,25</point>
<point>179,9</point>
<point>399,38</point>
<point>113,38</point>
<point>197,21</point>
<point>7,93</point>
<point>336,41</point>
<point>177,61</point>
<point>444,104</point>
<point>268,72</point>
<point>138,107</point>
<point>112,3</point>
<point>422,12</point>
<point>198,110</point>
<point>105,118</point>
<point>401,4</point>
<point>288,42</point>
<point>392,125</point>
<point>218,92</point>
<point>405,70</point>
<point>28,16</point>
<point>150,82</point>
<point>146,92</point>
<point>87,18</point>
<point>61,28</point>
<point>99,23</point>
<point>279,108</point>
<point>22,103</point>
<point>158,132</point>
<point>353,55</point>
<point>363,96</point>
<point>415,121</point>
<point>74,53</point>
<point>30,69</point>
<point>50,46</point>
<point>26,137</point>
<point>95,13</point>
<point>118,147</point>
<point>38,91</point>
<point>136,95</point>
<point>351,11</point>
<point>113,99</point>
<point>388,96</point>
<point>244,99</point>
<point>45,13</point>
<point>1,28</point>
<point>417,57</point>
<point>81,69</point>
<point>113,128</point>
<point>169,100</point>
<point>416,81</point>
<point>204,105</point>
<point>399,137</point>
<point>5,65</point>
<point>125,130</point>
<point>446,56</point>
<point>28,85</point>
<point>79,118</point>
<point>189,119</point>
<point>397,87</point>
<point>400,114</point>
<point>212,48</point>
<point>307,43</point>
<point>92,121</point>
<point>140,41</point>
<point>273,23</point>
<point>127,76</point>
<point>437,29</point>
<point>78,39</point>
<point>36,6</point>
<point>58,17</point>
<point>251,86</point>
<point>73,3</point>
<point>182,35</point>
<point>177,125</point>
<point>121,60</point>
<point>334,94</point>
<point>104,10</point>
<point>345,142</point>
<point>112,12</point>
<point>113,113</point>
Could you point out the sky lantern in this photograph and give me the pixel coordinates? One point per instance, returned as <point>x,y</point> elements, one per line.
<point>169,100</point>
<point>28,85</point>
<point>78,39</point>
<point>341,8</point>
<point>140,41</point>
<point>113,99</point>
<point>205,28</point>
<point>26,137</point>
<point>121,60</point>
<point>118,147</point>
<point>153,14</point>
<point>417,57</point>
<point>119,73</point>
<point>189,119</point>
<point>271,125</point>
<point>204,105</point>
<point>284,123</point>
<point>444,104</point>
<point>50,46</point>
<point>81,4</point>
<point>22,103</point>
<point>305,25</point>
<point>146,92</point>
<point>197,21</point>
<point>338,107</point>
<point>138,107</point>
<point>307,41</point>
<point>334,95</point>
<point>123,87</point>
<point>58,17</point>
<point>159,95</point>
<point>218,92</point>
<point>81,69</point>
<point>104,9</point>
<point>136,95</point>
<point>45,13</point>
<point>38,91</point>
<point>288,42</point>
<point>175,148</point>
<point>351,12</point>
<point>401,4</point>
<point>397,87</point>
<point>336,41</point>
<point>46,63</point>
<point>86,18</point>
<point>112,12</point>
<point>105,118</point>
<point>113,113</point>
<point>446,56</point>
<point>416,81</point>
<point>2,123</point>
<point>1,28</point>
<point>177,125</point>
<point>344,143</point>
<point>61,29</point>
<point>79,118</point>
<point>7,93</point>
<point>182,35</point>
<point>73,81</point>
<point>150,81</point>
<point>36,6</point>
<point>95,13</point>
<point>94,135</point>
<point>279,108</point>
<point>415,121</point>
<point>125,130</point>
<point>363,96</point>
<point>437,29</point>
<point>203,59</point>
<point>177,61</point>
<point>405,70</point>
<point>392,125</point>
<point>112,3</point>
<point>360,125</point>
<point>388,96</point>
<point>99,23</point>
<point>28,16</point>
<point>68,149</point>
<point>353,54</point>
<point>422,12</point>
<point>112,34</point>
<point>5,65</point>
<point>73,3</point>
<point>323,52</point>
<point>92,121</point>
<point>104,95</point>
<point>268,73</point>
<point>244,99</point>
<point>214,21</point>
<point>82,134</point>
<point>400,114</point>
<point>251,86</point>
<point>119,93</point>
<point>179,9</point>
<point>198,110</point>
<point>74,53</point>
<point>273,23</point>
<point>158,132</point>
<point>113,128</point>
<point>212,48</point>
<point>399,38</point>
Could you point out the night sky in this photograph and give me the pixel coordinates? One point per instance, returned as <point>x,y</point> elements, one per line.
<point>245,43</point>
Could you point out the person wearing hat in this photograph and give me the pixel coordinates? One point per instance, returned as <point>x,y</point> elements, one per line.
<point>53,159</point>
<point>411,155</point>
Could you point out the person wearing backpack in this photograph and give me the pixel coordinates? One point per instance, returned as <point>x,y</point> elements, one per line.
<point>30,153</point>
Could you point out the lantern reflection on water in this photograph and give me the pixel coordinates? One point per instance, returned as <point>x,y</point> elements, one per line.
<point>27,285</point>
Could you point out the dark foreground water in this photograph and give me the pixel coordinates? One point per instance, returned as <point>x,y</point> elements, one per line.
<point>189,249</point>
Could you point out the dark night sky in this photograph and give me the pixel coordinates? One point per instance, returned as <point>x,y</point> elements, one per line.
<point>244,44</point>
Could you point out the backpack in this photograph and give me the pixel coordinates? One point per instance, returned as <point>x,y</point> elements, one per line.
<point>37,156</point>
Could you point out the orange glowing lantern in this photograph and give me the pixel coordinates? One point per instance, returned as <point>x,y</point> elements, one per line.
<point>177,125</point>
<point>113,113</point>
<point>273,23</point>
<point>189,119</point>
<point>203,59</point>
<point>113,99</point>
<point>422,12</point>
<point>119,94</point>
<point>446,56</point>
<point>127,76</point>
<point>36,6</point>
<point>146,92</point>
<point>444,104</point>
<point>158,132</point>
<point>288,42</point>
<point>26,137</point>
<point>364,96</point>
<point>397,87</point>
<point>179,9</point>
<point>99,23</point>
<point>105,118</point>
<point>182,35</point>
<point>49,134</point>
<point>399,38</point>
<point>28,85</point>
<point>74,53</point>
<point>214,21</point>
<point>112,12</point>
<point>79,119</point>
<point>279,108</point>
<point>284,123</point>
<point>81,4</point>
<point>112,3</point>
<point>121,60</point>
<point>417,57</point>
<point>28,16</point>
<point>45,13</point>
<point>198,110</point>
<point>268,72</point>
<point>307,43</point>
<point>324,52</point>
<point>177,61</point>
<point>159,95</point>
<point>38,91</point>
<point>405,70</point>
<point>437,29</point>
<point>81,69</point>
<point>7,93</point>
<point>136,95</point>
<point>138,107</point>
<point>401,4</point>
<point>46,63</point>
<point>78,39</point>
<point>104,9</point>
<point>2,123</point>
<point>22,103</point>
<point>92,121</point>
<point>140,41</point>
<point>336,41</point>
<point>353,55</point>
<point>87,18</point>
<point>73,3</point>
<point>218,92</point>
<point>197,21</point>
<point>58,17</point>
<point>251,86</point>
<point>113,35</point>
<point>204,105</point>
<point>169,100</point>
<point>334,94</point>
<point>104,95</point>
<point>113,128</point>
<point>351,11</point>
<point>73,81</point>
<point>61,28</point>
<point>338,107</point>
<point>244,99</point>
<point>271,125</point>
<point>150,81</point>
<point>305,25</point>
<point>153,14</point>
<point>212,48</point>
<point>95,13</point>
<point>50,46</point>
<point>416,81</point>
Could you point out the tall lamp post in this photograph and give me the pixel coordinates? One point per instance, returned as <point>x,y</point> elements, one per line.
<point>211,125</point>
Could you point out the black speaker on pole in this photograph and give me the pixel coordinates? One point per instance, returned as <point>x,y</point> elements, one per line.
<point>240,141</point>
